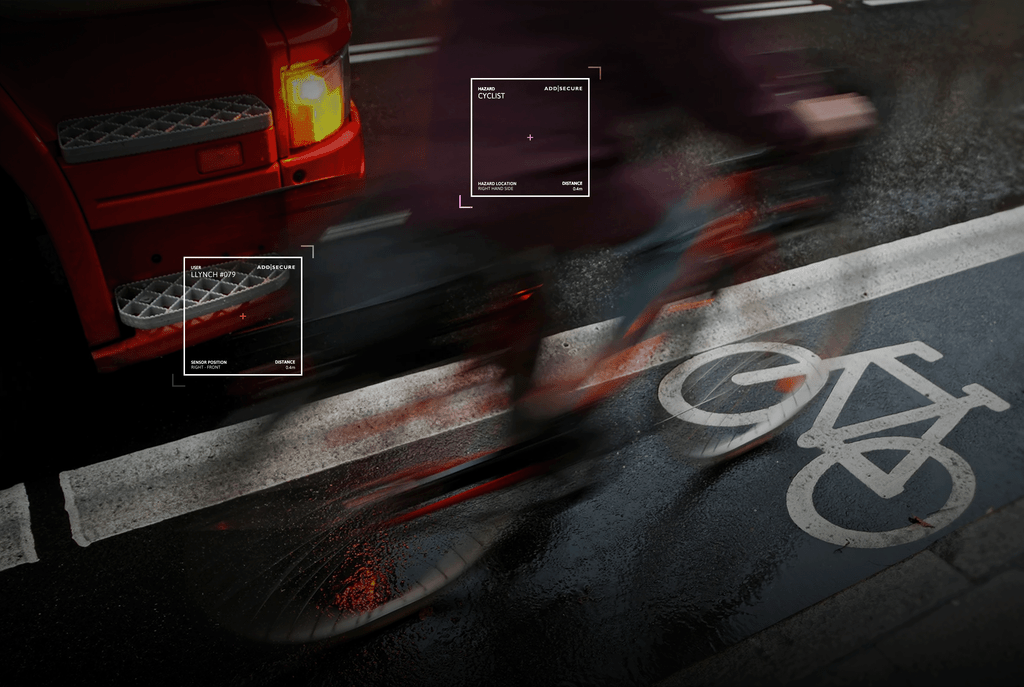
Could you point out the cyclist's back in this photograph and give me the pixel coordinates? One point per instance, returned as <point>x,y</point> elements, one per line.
<point>650,58</point>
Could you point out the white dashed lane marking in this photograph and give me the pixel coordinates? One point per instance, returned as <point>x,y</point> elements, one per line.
<point>16,543</point>
<point>394,45</point>
<point>756,6</point>
<point>878,3</point>
<point>778,12</point>
<point>389,50</point>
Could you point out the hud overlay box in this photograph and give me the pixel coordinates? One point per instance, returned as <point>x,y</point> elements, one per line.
<point>234,283</point>
<point>530,137</point>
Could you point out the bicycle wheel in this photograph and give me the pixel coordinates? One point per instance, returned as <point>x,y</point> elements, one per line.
<point>741,394</point>
<point>759,348</point>
<point>306,567</point>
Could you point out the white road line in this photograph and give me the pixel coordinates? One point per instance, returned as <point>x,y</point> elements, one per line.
<point>364,225</point>
<point>391,54</point>
<point>876,3</point>
<point>756,6</point>
<point>394,45</point>
<point>156,484</point>
<point>773,13</point>
<point>16,543</point>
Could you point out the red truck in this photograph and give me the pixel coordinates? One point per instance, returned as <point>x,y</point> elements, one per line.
<point>142,132</point>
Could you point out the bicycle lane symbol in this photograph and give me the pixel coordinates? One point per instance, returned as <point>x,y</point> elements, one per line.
<point>846,446</point>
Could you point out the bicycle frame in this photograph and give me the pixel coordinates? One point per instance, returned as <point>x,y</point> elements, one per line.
<point>726,246</point>
<point>847,445</point>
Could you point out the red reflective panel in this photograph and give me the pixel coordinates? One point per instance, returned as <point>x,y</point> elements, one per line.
<point>221,157</point>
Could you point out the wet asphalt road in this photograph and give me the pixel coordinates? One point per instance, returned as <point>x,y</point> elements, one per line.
<point>665,564</point>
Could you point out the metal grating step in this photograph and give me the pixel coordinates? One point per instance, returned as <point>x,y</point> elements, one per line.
<point>153,303</point>
<point>157,128</point>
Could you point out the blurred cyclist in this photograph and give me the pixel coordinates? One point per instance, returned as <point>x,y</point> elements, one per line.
<point>651,56</point>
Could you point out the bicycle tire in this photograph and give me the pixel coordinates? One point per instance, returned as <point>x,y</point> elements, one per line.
<point>323,574</point>
<point>325,565</point>
<point>732,433</point>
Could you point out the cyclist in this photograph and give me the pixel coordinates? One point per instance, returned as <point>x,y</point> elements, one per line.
<point>651,56</point>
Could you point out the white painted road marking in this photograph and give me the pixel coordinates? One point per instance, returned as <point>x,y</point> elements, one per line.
<point>800,497</point>
<point>756,6</point>
<point>945,408</point>
<point>390,50</point>
<point>782,11</point>
<point>760,422</point>
<point>156,484</point>
<point>391,54</point>
<point>877,3</point>
<point>340,231</point>
<point>16,543</point>
<point>394,45</point>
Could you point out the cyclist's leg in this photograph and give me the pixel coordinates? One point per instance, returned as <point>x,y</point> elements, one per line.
<point>526,320</point>
<point>627,211</point>
<point>653,263</point>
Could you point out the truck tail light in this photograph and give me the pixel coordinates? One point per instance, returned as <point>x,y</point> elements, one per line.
<point>317,98</point>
